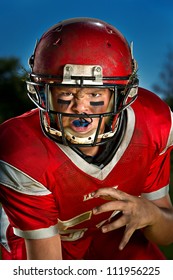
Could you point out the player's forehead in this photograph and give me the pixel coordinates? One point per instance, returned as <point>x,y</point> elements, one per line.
<point>83,90</point>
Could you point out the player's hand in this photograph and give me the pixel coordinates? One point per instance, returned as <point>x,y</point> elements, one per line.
<point>137,212</point>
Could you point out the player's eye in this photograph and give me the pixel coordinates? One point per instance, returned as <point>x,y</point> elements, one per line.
<point>66,95</point>
<point>95,94</point>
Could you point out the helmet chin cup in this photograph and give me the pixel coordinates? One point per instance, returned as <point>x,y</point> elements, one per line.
<point>66,137</point>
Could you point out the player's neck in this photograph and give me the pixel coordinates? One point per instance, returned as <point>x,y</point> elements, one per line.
<point>89,151</point>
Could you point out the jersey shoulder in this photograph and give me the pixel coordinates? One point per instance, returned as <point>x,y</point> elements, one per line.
<point>17,132</point>
<point>24,146</point>
<point>154,117</point>
<point>151,103</point>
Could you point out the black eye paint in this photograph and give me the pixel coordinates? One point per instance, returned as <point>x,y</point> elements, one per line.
<point>62,105</point>
<point>63,102</point>
<point>97,103</point>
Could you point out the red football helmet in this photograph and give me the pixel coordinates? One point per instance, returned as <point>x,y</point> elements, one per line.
<point>82,52</point>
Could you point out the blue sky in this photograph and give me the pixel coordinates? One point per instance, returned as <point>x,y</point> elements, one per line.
<point>149,24</point>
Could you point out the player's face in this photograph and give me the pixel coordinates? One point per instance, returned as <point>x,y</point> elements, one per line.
<point>79,101</point>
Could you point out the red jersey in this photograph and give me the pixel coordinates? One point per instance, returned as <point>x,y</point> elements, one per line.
<point>46,187</point>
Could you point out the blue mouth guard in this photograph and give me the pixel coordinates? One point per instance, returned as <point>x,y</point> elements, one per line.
<point>80,123</point>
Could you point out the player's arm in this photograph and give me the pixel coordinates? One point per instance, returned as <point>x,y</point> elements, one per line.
<point>161,231</point>
<point>154,218</point>
<point>44,249</point>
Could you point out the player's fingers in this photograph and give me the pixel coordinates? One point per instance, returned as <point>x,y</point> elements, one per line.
<point>115,205</point>
<point>113,193</point>
<point>127,235</point>
<point>120,222</point>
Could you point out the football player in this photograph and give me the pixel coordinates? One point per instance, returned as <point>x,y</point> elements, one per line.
<point>85,175</point>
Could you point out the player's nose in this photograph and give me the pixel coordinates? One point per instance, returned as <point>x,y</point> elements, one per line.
<point>80,105</point>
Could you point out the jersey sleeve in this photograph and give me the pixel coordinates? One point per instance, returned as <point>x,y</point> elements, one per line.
<point>29,205</point>
<point>157,182</point>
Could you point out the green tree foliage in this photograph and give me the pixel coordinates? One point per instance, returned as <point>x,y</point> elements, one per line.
<point>13,96</point>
